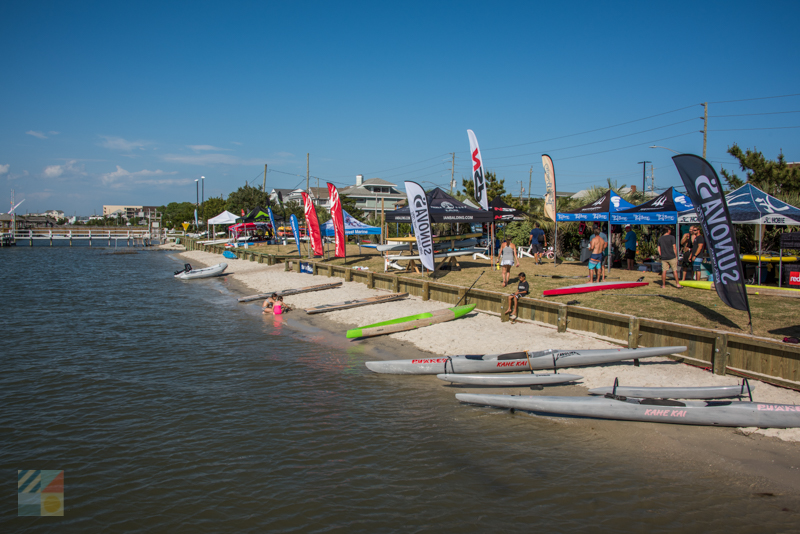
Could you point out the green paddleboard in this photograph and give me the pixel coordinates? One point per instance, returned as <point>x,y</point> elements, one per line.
<point>437,316</point>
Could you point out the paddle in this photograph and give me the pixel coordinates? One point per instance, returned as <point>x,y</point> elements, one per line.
<point>470,287</point>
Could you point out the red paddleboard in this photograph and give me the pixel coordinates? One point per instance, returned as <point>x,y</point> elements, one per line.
<point>588,288</point>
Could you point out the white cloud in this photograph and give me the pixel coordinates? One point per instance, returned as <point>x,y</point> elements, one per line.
<point>69,168</point>
<point>284,155</point>
<point>121,177</point>
<point>51,132</point>
<point>4,168</point>
<point>211,159</point>
<point>236,143</point>
<point>34,133</point>
<point>118,143</point>
<point>205,148</point>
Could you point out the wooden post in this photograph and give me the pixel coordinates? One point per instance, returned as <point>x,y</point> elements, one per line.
<point>426,290</point>
<point>562,318</point>
<point>462,292</point>
<point>330,270</point>
<point>503,308</point>
<point>314,269</point>
<point>396,284</point>
<point>348,274</point>
<point>286,266</point>
<point>720,358</point>
<point>297,265</point>
<point>633,333</point>
<point>371,280</point>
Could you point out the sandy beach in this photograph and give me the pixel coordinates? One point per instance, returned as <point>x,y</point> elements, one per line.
<point>484,333</point>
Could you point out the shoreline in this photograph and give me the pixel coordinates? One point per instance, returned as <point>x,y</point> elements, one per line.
<point>765,454</point>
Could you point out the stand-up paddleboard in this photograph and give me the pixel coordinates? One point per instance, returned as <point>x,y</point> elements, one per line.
<point>515,361</point>
<point>703,392</point>
<point>287,292</point>
<point>711,413</point>
<point>355,303</point>
<point>588,288</point>
<point>772,291</point>
<point>192,274</point>
<point>517,379</point>
<point>411,322</point>
<point>412,239</point>
<point>392,247</point>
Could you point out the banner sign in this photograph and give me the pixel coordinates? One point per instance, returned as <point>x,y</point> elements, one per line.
<point>478,176</point>
<point>421,220</point>
<point>794,278</point>
<point>296,232</point>
<point>312,225</point>
<point>272,222</point>
<point>195,219</point>
<point>705,191</point>
<point>338,221</point>
<point>550,184</point>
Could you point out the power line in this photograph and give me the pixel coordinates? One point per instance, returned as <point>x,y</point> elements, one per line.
<point>749,99</point>
<point>749,129</point>
<point>753,114</point>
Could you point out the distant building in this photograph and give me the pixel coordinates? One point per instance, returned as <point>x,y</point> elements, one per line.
<point>369,193</point>
<point>130,212</point>
<point>319,196</point>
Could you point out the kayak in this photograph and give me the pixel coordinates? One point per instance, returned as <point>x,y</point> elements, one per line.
<point>751,289</point>
<point>286,292</point>
<point>230,255</point>
<point>705,392</point>
<point>192,274</point>
<point>411,322</point>
<point>517,379</point>
<point>355,303</point>
<point>711,413</point>
<point>588,288</point>
<point>515,361</point>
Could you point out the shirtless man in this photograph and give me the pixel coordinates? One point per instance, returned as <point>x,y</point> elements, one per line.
<point>597,245</point>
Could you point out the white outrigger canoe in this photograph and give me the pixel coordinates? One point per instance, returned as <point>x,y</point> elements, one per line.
<point>703,392</point>
<point>709,413</point>
<point>191,274</point>
<point>517,379</point>
<point>515,361</point>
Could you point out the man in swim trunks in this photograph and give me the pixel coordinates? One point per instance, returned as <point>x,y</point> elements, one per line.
<point>522,291</point>
<point>596,245</point>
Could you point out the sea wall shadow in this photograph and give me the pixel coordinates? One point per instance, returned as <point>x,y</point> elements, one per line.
<point>705,311</point>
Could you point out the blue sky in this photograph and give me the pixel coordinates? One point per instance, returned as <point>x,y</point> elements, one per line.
<point>112,103</point>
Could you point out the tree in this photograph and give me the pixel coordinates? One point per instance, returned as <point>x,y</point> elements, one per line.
<point>212,207</point>
<point>772,177</point>
<point>494,187</point>
<point>247,198</point>
<point>175,213</point>
<point>349,205</point>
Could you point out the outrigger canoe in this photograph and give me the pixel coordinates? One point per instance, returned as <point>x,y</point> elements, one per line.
<point>286,292</point>
<point>411,322</point>
<point>515,361</point>
<point>709,413</point>
<point>192,274</point>
<point>588,288</point>
<point>355,303</point>
<point>516,379</point>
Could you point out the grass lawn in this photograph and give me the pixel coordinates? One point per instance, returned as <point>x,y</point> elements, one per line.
<point>773,317</point>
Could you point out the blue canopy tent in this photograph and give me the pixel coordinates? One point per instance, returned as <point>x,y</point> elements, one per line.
<point>663,209</point>
<point>352,226</point>
<point>601,209</point>
<point>751,205</point>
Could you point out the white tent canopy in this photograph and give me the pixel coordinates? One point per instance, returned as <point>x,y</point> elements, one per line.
<point>223,218</point>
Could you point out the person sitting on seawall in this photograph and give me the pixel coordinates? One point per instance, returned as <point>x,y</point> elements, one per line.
<point>522,290</point>
<point>630,247</point>
<point>668,251</point>
<point>538,243</point>
<point>597,245</point>
<point>269,303</point>
<point>698,251</point>
<point>508,257</point>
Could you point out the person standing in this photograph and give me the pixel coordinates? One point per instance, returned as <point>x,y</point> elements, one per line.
<point>698,246</point>
<point>686,253</point>
<point>630,246</point>
<point>538,242</point>
<point>603,263</point>
<point>668,251</point>
<point>597,245</point>
<point>522,290</point>
<point>508,257</point>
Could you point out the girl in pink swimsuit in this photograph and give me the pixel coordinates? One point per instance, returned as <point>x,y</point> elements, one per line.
<point>277,308</point>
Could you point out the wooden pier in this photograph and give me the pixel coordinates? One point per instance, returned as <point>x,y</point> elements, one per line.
<point>132,237</point>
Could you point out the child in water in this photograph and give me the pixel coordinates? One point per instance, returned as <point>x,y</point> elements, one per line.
<point>269,303</point>
<point>277,308</point>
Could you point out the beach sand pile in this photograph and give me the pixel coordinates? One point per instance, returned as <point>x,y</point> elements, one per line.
<point>480,333</point>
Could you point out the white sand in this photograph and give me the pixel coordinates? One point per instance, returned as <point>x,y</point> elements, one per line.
<point>481,332</point>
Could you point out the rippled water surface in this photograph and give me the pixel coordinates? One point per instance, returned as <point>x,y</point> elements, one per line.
<point>172,408</point>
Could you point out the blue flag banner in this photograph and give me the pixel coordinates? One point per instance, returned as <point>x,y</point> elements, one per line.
<point>296,231</point>
<point>272,222</point>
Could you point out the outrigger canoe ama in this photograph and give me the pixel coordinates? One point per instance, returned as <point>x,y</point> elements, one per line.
<point>411,322</point>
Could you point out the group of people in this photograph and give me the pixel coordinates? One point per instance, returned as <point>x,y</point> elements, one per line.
<point>274,305</point>
<point>509,257</point>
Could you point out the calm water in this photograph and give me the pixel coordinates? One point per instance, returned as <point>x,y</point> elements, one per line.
<point>172,408</point>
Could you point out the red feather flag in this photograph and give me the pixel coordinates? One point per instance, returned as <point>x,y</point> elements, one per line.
<point>338,221</point>
<point>313,225</point>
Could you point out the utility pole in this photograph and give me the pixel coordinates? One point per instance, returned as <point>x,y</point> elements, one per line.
<point>652,179</point>
<point>644,173</point>
<point>452,173</point>
<point>521,190</point>
<point>264,188</point>
<point>705,127</point>
<point>530,183</point>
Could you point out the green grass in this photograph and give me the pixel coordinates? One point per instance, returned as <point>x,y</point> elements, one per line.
<point>773,317</point>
